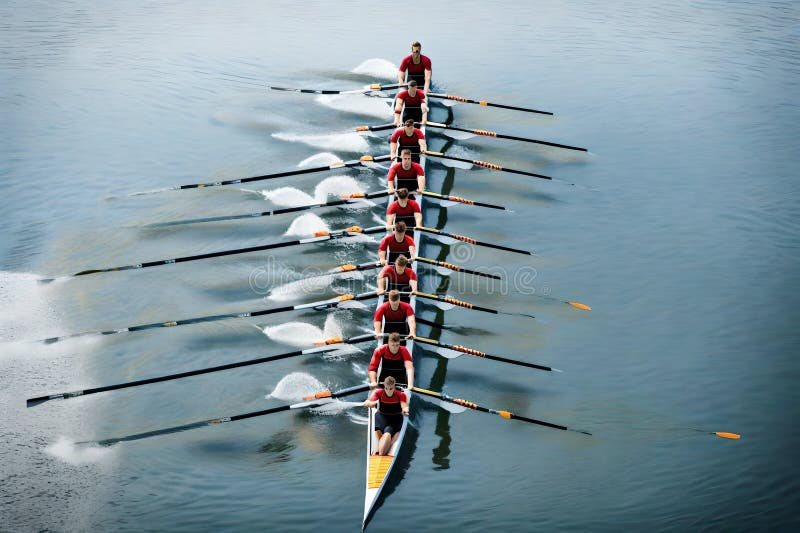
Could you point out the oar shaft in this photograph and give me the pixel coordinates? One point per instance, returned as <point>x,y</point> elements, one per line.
<point>461,200</point>
<point>488,165</point>
<point>485,103</point>
<point>456,268</point>
<point>470,240</point>
<point>487,133</point>
<point>320,238</point>
<point>234,418</point>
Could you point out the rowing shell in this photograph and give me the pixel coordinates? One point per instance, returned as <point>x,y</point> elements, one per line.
<point>379,467</point>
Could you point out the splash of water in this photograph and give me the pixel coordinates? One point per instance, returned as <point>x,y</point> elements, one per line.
<point>346,142</point>
<point>65,450</point>
<point>287,197</point>
<point>336,185</point>
<point>318,160</point>
<point>293,387</point>
<point>357,104</point>
<point>377,67</point>
<point>306,225</point>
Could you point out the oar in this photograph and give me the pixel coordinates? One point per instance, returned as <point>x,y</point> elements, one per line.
<point>323,304</point>
<point>473,132</point>
<point>447,349</point>
<point>338,164</point>
<point>444,236</point>
<point>460,200</point>
<point>328,345</point>
<point>367,89</point>
<point>320,236</point>
<point>504,414</point>
<point>721,434</point>
<point>324,398</point>
<point>455,268</point>
<point>487,133</point>
<point>449,301</point>
<point>573,304</point>
<point>485,103</point>
<point>343,200</point>
<point>485,164</point>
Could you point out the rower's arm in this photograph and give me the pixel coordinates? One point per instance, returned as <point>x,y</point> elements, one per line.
<point>424,106</point>
<point>412,326</point>
<point>404,405</point>
<point>423,145</point>
<point>378,325</point>
<point>414,284</point>
<point>421,183</point>
<point>418,219</point>
<point>410,374</point>
<point>398,109</point>
<point>381,285</point>
<point>373,378</point>
<point>382,257</point>
<point>427,80</point>
<point>392,151</point>
<point>401,76</point>
<point>368,403</point>
<point>390,218</point>
<point>412,251</point>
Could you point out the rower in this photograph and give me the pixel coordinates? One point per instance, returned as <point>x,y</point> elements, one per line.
<point>418,66</point>
<point>404,209</point>
<point>394,316</point>
<point>398,276</point>
<point>393,360</point>
<point>411,104</point>
<point>406,174</point>
<point>396,244</point>
<point>408,137</point>
<point>392,405</point>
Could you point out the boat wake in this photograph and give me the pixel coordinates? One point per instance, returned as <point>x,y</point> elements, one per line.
<point>356,104</point>
<point>292,197</point>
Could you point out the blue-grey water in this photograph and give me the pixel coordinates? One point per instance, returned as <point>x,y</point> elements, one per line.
<point>681,231</point>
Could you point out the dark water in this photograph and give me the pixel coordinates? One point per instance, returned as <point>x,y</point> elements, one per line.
<point>681,232</point>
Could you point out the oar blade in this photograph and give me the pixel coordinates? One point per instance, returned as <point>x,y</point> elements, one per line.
<point>580,306</point>
<point>726,435</point>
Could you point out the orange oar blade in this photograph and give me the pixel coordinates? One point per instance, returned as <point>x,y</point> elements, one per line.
<point>725,435</point>
<point>580,306</point>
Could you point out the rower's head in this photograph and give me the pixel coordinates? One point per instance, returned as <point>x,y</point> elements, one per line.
<point>405,158</point>
<point>394,296</point>
<point>401,262</point>
<point>402,196</point>
<point>399,228</point>
<point>416,48</point>
<point>389,383</point>
<point>394,342</point>
<point>408,126</point>
<point>412,87</point>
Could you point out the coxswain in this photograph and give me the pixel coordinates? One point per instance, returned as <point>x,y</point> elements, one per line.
<point>395,244</point>
<point>403,209</point>
<point>394,316</point>
<point>407,137</point>
<point>411,104</point>
<point>418,67</point>
<point>393,360</point>
<point>398,276</point>
<point>392,405</point>
<point>406,174</point>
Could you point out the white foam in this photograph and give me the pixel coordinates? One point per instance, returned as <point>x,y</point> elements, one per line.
<point>378,67</point>
<point>318,160</point>
<point>294,289</point>
<point>67,451</point>
<point>297,334</point>
<point>306,226</point>
<point>336,186</point>
<point>293,387</point>
<point>348,142</point>
<point>357,104</point>
<point>287,197</point>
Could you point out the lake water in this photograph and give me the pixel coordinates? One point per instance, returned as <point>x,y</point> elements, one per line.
<point>681,231</point>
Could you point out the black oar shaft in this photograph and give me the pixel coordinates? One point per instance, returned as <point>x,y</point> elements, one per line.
<point>222,420</point>
<point>485,103</point>
<point>486,164</point>
<point>470,240</point>
<point>456,268</point>
<point>272,246</point>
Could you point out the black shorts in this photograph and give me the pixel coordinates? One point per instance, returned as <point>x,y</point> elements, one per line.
<point>390,424</point>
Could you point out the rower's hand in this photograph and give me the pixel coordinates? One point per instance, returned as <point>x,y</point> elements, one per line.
<point>373,384</point>
<point>380,291</point>
<point>410,337</point>
<point>405,412</point>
